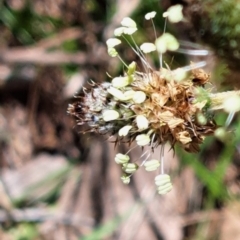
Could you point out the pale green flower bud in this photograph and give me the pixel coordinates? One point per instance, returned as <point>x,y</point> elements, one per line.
<point>163,183</point>
<point>222,134</point>
<point>131,68</point>
<point>110,115</point>
<point>142,122</point>
<point>179,74</point>
<point>112,42</point>
<point>116,93</point>
<point>142,140</point>
<point>151,165</point>
<point>164,189</point>
<point>150,15</point>
<point>172,42</point>
<point>128,22</point>
<point>232,104</point>
<point>161,45</point>
<point>162,179</point>
<point>120,82</point>
<point>130,30</point>
<point>202,120</point>
<point>119,31</point>
<point>165,14</point>
<point>125,179</point>
<point>174,13</point>
<point>130,167</point>
<point>112,52</point>
<point>148,47</point>
<point>121,158</point>
<point>167,74</point>
<point>124,30</point>
<point>139,97</point>
<point>124,131</point>
<point>129,94</point>
<point>166,42</point>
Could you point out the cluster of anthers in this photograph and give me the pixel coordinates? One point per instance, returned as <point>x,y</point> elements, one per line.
<point>149,108</point>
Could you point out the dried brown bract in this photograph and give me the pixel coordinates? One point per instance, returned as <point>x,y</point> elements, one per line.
<point>153,105</point>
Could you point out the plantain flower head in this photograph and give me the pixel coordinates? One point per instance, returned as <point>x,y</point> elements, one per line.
<point>151,107</point>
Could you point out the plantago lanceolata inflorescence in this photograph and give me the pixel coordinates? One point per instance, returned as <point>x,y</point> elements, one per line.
<point>152,107</point>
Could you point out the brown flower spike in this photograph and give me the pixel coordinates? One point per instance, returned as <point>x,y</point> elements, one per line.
<point>153,105</point>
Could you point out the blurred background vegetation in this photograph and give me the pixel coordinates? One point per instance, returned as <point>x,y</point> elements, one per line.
<point>58,184</point>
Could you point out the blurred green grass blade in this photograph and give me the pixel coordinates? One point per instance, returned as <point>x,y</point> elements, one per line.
<point>212,180</point>
<point>45,188</point>
<point>7,17</point>
<point>24,231</point>
<point>104,230</point>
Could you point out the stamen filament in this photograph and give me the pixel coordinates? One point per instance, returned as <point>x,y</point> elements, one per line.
<point>161,55</point>
<point>193,52</point>
<point>145,159</point>
<point>195,66</point>
<point>229,119</point>
<point>122,61</point>
<point>131,149</point>
<point>162,159</point>
<point>138,53</point>
<point>154,29</point>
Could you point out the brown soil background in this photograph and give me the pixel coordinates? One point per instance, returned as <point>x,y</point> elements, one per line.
<point>66,185</point>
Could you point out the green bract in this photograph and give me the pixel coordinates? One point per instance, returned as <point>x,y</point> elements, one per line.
<point>131,68</point>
